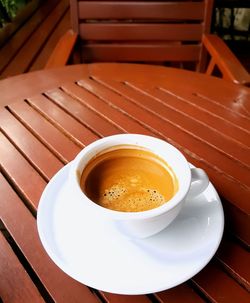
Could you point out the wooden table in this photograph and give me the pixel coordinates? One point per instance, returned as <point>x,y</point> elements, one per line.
<point>47,117</point>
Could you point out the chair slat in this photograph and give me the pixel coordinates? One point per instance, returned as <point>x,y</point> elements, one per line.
<point>140,52</point>
<point>140,32</point>
<point>33,45</point>
<point>140,10</point>
<point>144,25</point>
<point>10,49</point>
<point>42,58</point>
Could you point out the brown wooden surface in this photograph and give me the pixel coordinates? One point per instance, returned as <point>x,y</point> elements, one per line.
<point>125,32</point>
<point>15,285</point>
<point>228,64</point>
<point>142,28</point>
<point>140,10</point>
<point>169,33</point>
<point>64,47</point>
<point>21,85</point>
<point>47,117</point>
<point>29,48</point>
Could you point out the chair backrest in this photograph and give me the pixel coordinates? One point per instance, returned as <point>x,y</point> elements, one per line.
<point>141,31</point>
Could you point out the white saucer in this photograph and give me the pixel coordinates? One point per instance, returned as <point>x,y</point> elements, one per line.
<point>94,252</point>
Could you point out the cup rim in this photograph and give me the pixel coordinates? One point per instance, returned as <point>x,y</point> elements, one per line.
<point>172,203</point>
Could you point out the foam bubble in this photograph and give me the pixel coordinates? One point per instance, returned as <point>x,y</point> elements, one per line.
<point>121,198</point>
<point>156,196</point>
<point>114,192</point>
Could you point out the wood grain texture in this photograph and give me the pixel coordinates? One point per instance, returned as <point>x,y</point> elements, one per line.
<point>15,284</point>
<point>196,111</point>
<point>113,298</point>
<point>206,118</point>
<point>198,128</point>
<point>21,88</point>
<point>233,106</point>
<point>46,132</point>
<point>142,25</point>
<point>61,52</point>
<point>110,113</point>
<point>220,287</point>
<point>140,10</point>
<point>83,114</point>
<point>153,52</point>
<point>35,43</point>
<point>148,28</point>
<point>140,31</point>
<point>179,294</point>
<point>236,261</point>
<point>42,58</point>
<point>74,15</point>
<point>29,146</point>
<point>23,177</point>
<point>177,135</point>
<point>15,43</point>
<point>209,98</point>
<point>228,64</point>
<point>56,115</point>
<point>60,286</point>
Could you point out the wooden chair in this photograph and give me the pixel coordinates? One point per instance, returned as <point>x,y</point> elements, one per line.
<point>150,32</point>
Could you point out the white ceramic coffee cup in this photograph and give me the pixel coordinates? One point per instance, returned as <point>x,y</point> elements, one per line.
<point>191,181</point>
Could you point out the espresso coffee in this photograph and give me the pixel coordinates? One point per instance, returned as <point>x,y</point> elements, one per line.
<point>129,179</point>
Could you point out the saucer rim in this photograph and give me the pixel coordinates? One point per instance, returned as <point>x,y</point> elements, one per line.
<point>54,257</point>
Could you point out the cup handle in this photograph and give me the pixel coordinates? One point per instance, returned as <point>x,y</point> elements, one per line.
<point>199,182</point>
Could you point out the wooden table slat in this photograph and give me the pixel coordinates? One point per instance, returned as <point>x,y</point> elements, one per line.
<point>83,114</point>
<point>220,287</point>
<point>80,134</point>
<point>216,100</point>
<point>224,144</point>
<point>108,112</point>
<point>33,149</point>
<point>190,143</point>
<point>236,261</point>
<point>21,88</point>
<point>216,109</point>
<point>237,220</point>
<point>15,284</point>
<point>46,124</point>
<point>114,298</point>
<point>179,294</point>
<point>14,214</point>
<point>55,140</point>
<point>21,174</point>
<point>217,93</point>
<point>197,113</point>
